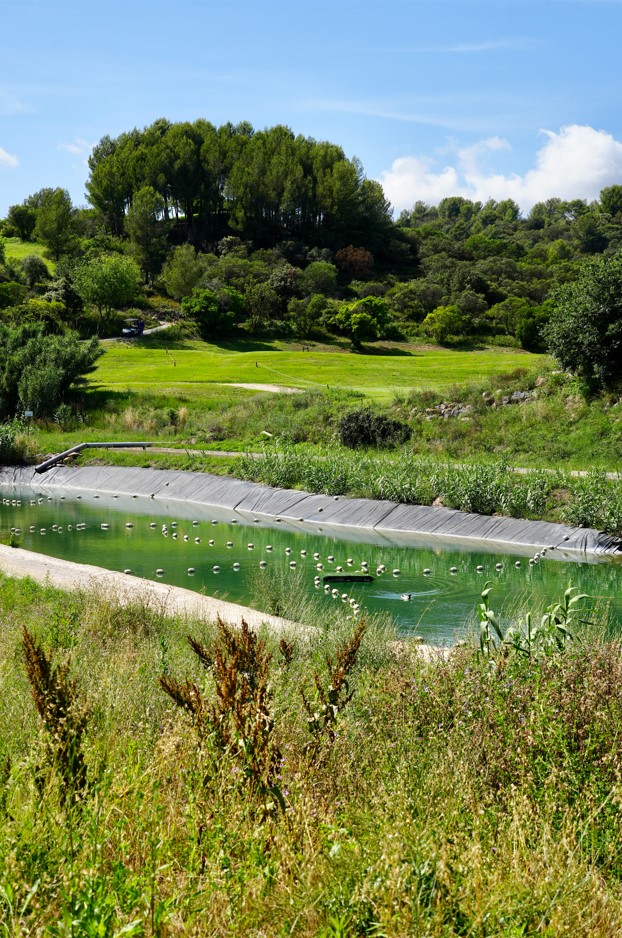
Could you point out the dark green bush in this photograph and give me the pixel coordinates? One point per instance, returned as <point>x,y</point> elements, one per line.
<point>365,428</point>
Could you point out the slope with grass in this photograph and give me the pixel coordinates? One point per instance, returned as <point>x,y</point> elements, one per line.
<point>187,366</point>
<point>17,249</point>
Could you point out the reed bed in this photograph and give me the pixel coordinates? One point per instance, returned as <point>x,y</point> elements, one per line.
<point>593,500</point>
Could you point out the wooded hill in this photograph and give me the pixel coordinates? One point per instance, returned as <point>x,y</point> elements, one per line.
<point>281,234</point>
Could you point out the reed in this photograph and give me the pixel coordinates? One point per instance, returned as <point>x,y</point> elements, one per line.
<point>593,500</point>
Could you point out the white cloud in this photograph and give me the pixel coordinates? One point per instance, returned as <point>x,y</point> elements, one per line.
<point>7,159</point>
<point>575,163</point>
<point>79,147</point>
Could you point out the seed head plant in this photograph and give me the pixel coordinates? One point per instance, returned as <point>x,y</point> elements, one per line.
<point>287,650</point>
<point>63,714</point>
<point>237,718</point>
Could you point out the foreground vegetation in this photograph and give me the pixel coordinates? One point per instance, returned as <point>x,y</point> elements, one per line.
<point>471,795</point>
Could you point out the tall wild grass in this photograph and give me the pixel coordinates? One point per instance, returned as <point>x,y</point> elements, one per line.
<point>470,794</point>
<point>487,488</point>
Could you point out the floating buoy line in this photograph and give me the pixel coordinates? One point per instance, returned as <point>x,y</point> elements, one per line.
<point>373,573</point>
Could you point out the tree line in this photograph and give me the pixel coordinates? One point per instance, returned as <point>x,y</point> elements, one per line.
<point>263,185</point>
<point>265,232</point>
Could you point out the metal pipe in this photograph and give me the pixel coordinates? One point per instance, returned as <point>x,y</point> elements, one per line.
<point>53,460</point>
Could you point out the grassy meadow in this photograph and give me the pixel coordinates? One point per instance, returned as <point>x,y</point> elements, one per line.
<point>471,795</point>
<point>186,367</point>
<point>149,390</point>
<point>18,249</point>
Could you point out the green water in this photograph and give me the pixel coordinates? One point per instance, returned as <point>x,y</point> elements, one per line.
<point>204,551</point>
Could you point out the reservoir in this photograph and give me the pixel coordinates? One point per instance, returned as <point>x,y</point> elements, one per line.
<point>428,590</point>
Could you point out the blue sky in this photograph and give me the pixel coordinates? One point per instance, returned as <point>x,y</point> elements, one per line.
<point>485,98</point>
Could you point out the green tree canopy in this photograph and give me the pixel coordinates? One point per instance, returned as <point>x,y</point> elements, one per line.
<point>35,270</point>
<point>365,320</point>
<point>319,277</point>
<point>22,218</point>
<point>585,330</point>
<point>443,322</point>
<point>108,282</point>
<point>182,271</point>
<point>54,225</point>
<point>146,230</point>
<point>214,310</point>
<point>269,186</point>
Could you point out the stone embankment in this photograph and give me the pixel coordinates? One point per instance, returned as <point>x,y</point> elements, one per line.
<point>454,409</point>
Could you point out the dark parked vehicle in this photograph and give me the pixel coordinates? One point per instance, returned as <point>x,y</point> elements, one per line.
<point>133,327</point>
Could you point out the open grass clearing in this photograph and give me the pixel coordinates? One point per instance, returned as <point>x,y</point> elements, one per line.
<point>18,249</point>
<point>185,366</point>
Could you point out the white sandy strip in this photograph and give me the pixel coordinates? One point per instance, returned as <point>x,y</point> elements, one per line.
<point>276,388</point>
<point>125,589</point>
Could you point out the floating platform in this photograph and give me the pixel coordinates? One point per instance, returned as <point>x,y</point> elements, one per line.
<point>348,578</point>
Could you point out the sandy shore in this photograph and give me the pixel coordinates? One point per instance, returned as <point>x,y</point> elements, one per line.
<point>126,589</point>
<point>172,600</point>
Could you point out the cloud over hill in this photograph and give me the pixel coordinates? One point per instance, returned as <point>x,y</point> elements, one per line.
<point>575,163</point>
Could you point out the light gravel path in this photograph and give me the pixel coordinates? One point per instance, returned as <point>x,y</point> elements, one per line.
<point>125,589</point>
<point>227,454</point>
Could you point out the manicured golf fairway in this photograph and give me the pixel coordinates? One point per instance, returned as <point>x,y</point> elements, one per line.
<point>18,250</point>
<point>187,367</point>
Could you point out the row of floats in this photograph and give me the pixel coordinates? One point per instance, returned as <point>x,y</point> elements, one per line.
<point>170,529</point>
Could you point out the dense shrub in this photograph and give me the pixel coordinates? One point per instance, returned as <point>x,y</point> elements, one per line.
<point>38,370</point>
<point>365,428</point>
<point>585,330</point>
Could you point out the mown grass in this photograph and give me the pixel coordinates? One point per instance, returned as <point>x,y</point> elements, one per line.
<point>147,459</point>
<point>458,796</point>
<point>185,366</point>
<point>557,428</point>
<point>18,249</point>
